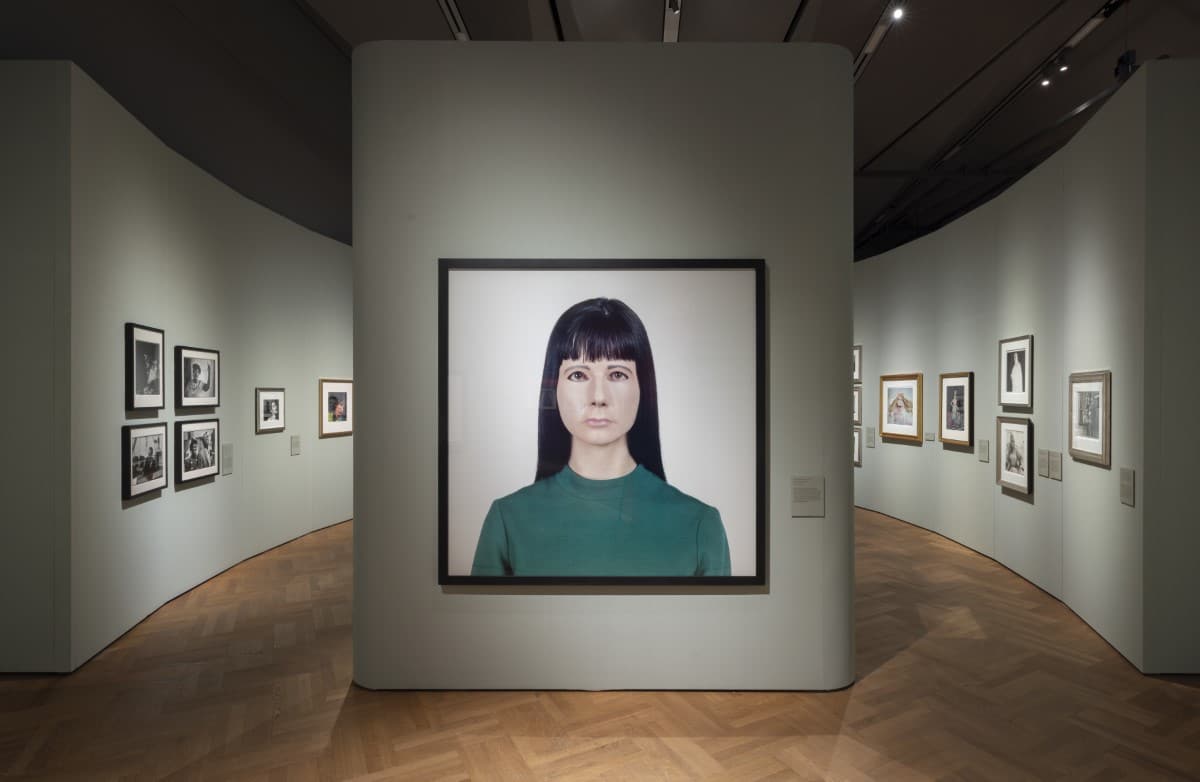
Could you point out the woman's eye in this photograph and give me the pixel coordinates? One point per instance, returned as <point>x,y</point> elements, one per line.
<point>576,376</point>
<point>617,374</point>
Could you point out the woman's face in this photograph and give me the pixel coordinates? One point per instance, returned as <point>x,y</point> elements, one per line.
<point>598,400</point>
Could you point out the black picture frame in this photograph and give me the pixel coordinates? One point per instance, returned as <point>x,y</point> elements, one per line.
<point>752,497</point>
<point>208,444</point>
<point>144,459</point>
<point>145,367</point>
<point>263,424</point>
<point>205,364</point>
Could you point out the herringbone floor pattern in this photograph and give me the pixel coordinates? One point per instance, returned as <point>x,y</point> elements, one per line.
<point>965,671</point>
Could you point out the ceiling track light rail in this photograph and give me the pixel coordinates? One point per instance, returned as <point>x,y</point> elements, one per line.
<point>892,13</point>
<point>454,19</point>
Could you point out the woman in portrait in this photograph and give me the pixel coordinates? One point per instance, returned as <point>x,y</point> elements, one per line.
<point>600,504</point>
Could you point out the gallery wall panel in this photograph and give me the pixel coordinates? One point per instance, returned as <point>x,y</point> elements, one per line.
<point>601,151</point>
<point>1061,255</point>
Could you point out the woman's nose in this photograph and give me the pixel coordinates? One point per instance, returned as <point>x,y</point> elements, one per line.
<point>599,394</point>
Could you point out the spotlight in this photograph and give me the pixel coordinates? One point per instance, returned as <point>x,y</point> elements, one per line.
<point>1045,82</point>
<point>897,14</point>
<point>1063,68</point>
<point>673,5</point>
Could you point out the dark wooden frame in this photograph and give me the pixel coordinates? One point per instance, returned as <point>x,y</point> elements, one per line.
<point>258,429</point>
<point>180,380</point>
<point>215,468</point>
<point>127,490</point>
<point>131,368</point>
<point>858,446</point>
<point>970,399</point>
<point>1022,407</point>
<point>759,268</point>
<point>856,396</point>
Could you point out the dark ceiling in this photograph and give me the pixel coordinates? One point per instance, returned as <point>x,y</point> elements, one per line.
<point>949,108</point>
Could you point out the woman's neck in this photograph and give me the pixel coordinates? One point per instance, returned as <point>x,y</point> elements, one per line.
<point>601,462</point>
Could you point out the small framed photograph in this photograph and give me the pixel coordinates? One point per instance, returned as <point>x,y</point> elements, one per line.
<point>1014,438</point>
<point>143,459</point>
<point>199,449</point>
<point>856,393</point>
<point>956,412</point>
<point>858,446</point>
<point>900,404</point>
<point>1088,400</point>
<point>1016,372</point>
<point>144,367</point>
<point>856,364</point>
<point>269,413</point>
<point>197,377</point>
<point>336,413</point>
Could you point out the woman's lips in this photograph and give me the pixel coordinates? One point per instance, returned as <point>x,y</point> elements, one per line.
<point>598,422</point>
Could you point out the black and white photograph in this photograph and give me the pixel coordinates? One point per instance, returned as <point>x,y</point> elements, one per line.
<point>955,422</point>
<point>596,452</point>
<point>1016,372</point>
<point>198,443</point>
<point>856,406</point>
<point>857,446</point>
<point>269,412</point>
<point>1014,438</point>
<point>144,367</point>
<point>143,459</point>
<point>856,354</point>
<point>335,407</point>
<point>1090,410</point>
<point>197,377</point>
<point>900,403</point>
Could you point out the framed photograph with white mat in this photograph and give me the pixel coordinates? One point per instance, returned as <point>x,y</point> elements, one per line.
<point>1090,404</point>
<point>956,410</point>
<point>900,404</point>
<point>1014,445</point>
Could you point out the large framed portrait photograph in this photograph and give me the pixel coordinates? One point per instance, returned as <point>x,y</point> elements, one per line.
<point>1014,441</point>
<point>956,412</point>
<point>602,422</point>
<point>143,459</point>
<point>269,412</point>
<point>1016,372</point>
<point>900,401</point>
<point>198,444</point>
<point>335,407</point>
<point>1090,404</point>
<point>197,377</point>
<point>144,367</point>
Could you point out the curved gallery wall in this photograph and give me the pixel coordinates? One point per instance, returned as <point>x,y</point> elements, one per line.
<point>532,151</point>
<point>105,225</point>
<point>1090,254</point>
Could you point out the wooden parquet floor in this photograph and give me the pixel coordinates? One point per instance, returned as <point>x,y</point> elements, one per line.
<point>965,672</point>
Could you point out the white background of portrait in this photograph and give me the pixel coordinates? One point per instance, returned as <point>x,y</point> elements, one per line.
<point>701,324</point>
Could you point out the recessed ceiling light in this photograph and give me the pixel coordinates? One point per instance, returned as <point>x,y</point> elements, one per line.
<point>1045,82</point>
<point>897,14</point>
<point>1063,68</point>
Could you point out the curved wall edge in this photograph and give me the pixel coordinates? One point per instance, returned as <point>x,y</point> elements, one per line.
<point>1085,253</point>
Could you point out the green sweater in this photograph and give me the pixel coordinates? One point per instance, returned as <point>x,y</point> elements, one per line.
<point>636,525</point>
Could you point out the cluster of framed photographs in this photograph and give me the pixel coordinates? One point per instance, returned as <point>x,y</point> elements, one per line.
<point>856,393</point>
<point>1089,412</point>
<point>197,388</point>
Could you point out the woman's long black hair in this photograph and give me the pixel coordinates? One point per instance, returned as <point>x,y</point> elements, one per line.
<point>595,330</point>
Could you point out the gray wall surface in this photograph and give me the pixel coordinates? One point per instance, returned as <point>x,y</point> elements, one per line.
<point>601,151</point>
<point>1172,369</point>
<point>35,308</point>
<point>1066,254</point>
<point>155,240</point>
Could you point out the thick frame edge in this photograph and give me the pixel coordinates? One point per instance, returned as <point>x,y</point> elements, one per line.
<point>321,412</point>
<point>258,403</point>
<point>179,403</point>
<point>758,265</point>
<point>920,403</point>
<point>179,445</point>
<point>129,339</point>
<point>1103,376</point>
<point>127,456</point>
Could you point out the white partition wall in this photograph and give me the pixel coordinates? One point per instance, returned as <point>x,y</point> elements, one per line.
<point>1086,253</point>
<point>499,150</point>
<point>118,228</point>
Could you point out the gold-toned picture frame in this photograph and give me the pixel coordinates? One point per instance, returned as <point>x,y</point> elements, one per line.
<point>900,405</point>
<point>1089,419</point>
